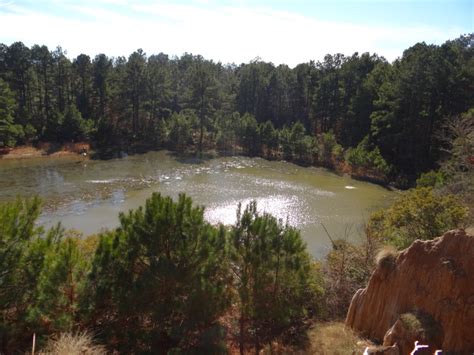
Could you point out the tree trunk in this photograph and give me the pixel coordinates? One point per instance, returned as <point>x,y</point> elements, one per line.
<point>242,335</point>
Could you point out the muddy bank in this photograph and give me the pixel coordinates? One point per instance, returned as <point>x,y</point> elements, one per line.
<point>46,150</point>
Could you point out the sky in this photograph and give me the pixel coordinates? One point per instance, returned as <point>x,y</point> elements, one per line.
<point>235,31</point>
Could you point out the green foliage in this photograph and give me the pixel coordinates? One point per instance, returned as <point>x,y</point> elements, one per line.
<point>201,94</point>
<point>160,279</point>
<point>299,143</point>
<point>74,127</point>
<point>431,179</point>
<point>41,277</point>
<point>60,284</point>
<point>29,133</point>
<point>122,103</point>
<point>326,145</point>
<point>53,127</point>
<point>105,135</point>
<point>275,279</point>
<point>458,167</point>
<point>248,131</point>
<point>285,139</point>
<point>226,137</point>
<point>9,132</point>
<point>179,131</point>
<point>296,145</point>
<point>420,213</point>
<point>338,152</point>
<point>409,105</point>
<point>364,157</point>
<point>269,135</point>
<point>17,229</point>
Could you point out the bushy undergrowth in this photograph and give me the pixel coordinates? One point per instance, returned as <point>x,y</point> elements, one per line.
<point>347,268</point>
<point>365,157</point>
<point>420,213</point>
<point>166,279</point>
<point>160,282</point>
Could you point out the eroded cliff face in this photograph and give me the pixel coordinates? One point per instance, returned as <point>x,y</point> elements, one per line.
<point>427,290</point>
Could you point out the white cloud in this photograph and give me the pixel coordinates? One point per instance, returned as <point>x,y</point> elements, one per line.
<point>227,34</point>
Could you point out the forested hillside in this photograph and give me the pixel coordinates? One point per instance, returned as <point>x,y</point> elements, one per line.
<point>392,115</point>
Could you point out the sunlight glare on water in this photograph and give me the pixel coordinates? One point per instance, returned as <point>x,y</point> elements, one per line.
<point>282,207</point>
<point>88,195</point>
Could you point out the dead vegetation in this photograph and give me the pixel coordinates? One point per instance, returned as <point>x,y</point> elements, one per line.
<point>73,344</point>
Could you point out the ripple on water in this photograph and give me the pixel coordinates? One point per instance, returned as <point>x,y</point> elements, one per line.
<point>104,181</point>
<point>95,193</point>
<point>285,186</point>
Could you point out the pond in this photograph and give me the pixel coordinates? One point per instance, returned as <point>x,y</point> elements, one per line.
<point>87,195</point>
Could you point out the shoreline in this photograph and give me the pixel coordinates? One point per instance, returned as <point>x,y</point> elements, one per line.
<point>46,150</point>
<point>52,150</point>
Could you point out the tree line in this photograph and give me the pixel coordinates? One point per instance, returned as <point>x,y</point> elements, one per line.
<point>389,114</point>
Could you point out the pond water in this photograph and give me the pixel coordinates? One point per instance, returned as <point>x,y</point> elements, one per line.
<point>87,195</point>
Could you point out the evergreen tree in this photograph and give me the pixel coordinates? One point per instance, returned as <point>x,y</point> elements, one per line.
<point>179,131</point>
<point>159,281</point>
<point>9,132</point>
<point>269,136</point>
<point>24,251</point>
<point>202,93</point>
<point>275,281</point>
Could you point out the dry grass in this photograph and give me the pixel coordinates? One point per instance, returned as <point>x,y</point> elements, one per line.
<point>73,344</point>
<point>335,339</point>
<point>385,258</point>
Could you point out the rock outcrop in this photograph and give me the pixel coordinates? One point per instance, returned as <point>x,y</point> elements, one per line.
<point>424,292</point>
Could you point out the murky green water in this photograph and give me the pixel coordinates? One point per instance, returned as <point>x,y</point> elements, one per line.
<point>88,195</point>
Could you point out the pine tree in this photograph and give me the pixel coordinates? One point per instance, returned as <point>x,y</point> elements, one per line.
<point>275,280</point>
<point>9,132</point>
<point>160,279</point>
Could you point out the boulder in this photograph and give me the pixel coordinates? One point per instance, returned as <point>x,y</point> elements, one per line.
<point>431,280</point>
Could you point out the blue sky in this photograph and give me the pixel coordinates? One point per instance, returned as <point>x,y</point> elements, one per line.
<point>280,31</point>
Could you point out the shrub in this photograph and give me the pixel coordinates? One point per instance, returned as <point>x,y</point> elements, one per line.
<point>458,169</point>
<point>180,133</point>
<point>347,268</point>
<point>40,278</point>
<point>269,135</point>
<point>431,179</point>
<point>326,143</point>
<point>338,152</point>
<point>73,126</point>
<point>420,213</point>
<point>364,157</point>
<point>73,344</point>
<point>422,325</point>
<point>248,132</point>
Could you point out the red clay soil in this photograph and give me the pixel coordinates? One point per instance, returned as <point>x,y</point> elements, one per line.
<point>44,150</point>
<point>435,277</point>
